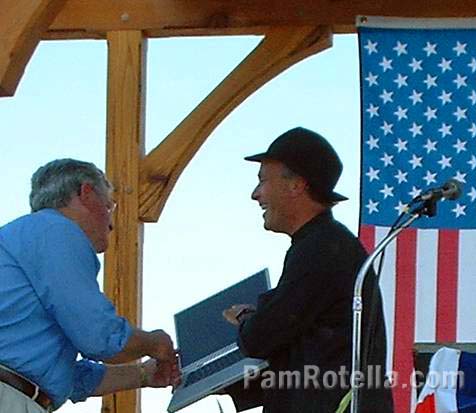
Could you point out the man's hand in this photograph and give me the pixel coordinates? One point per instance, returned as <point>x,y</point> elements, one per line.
<point>160,373</point>
<point>238,312</point>
<point>163,347</point>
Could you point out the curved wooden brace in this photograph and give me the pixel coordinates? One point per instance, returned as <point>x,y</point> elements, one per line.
<point>22,23</point>
<point>279,50</point>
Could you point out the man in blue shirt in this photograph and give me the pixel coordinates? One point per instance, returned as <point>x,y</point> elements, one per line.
<point>51,307</point>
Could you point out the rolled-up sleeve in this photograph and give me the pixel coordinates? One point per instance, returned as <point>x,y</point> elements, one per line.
<point>65,279</point>
<point>87,377</point>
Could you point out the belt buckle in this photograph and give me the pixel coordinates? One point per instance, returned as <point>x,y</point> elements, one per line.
<point>36,393</point>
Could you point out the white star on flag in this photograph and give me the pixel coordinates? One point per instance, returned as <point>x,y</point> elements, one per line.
<point>372,110</point>
<point>414,192</point>
<point>401,145</point>
<point>430,113</point>
<point>386,191</point>
<point>460,48</point>
<point>372,206</point>
<point>401,113</point>
<point>430,81</point>
<point>472,162</point>
<point>371,47</point>
<point>401,207</point>
<point>416,129</point>
<point>460,81</point>
<point>430,177</point>
<point>445,65</point>
<point>460,177</point>
<point>372,79</point>
<point>386,64</point>
<point>415,65</point>
<point>472,193</point>
<point>373,174</point>
<point>445,130</point>
<point>430,49</point>
<point>472,65</point>
<point>445,162</point>
<point>386,96</point>
<point>415,97</point>
<point>387,159</point>
<point>460,146</point>
<point>460,113</point>
<point>416,161</point>
<point>372,142</point>
<point>472,97</point>
<point>387,128</point>
<point>401,80</point>
<point>430,146</point>
<point>472,130</point>
<point>401,48</point>
<point>445,97</point>
<point>459,210</point>
<point>401,176</point>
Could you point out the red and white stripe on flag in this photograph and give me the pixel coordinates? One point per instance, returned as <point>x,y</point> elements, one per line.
<point>428,284</point>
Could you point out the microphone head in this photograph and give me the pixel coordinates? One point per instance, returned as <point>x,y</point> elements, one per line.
<point>452,189</point>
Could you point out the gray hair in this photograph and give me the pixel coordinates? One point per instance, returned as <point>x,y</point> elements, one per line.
<point>54,184</point>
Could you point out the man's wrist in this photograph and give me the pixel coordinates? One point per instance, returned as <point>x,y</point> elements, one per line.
<point>143,381</point>
<point>244,314</point>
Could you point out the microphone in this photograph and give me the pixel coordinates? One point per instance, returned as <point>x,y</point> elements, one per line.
<point>450,190</point>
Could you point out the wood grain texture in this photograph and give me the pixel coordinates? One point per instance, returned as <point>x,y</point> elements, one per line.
<point>125,149</point>
<point>158,18</point>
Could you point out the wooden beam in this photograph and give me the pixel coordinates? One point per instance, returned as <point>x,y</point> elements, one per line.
<point>22,23</point>
<point>158,18</point>
<point>125,149</point>
<point>279,50</point>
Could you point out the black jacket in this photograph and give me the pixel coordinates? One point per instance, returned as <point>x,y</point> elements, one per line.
<point>307,321</point>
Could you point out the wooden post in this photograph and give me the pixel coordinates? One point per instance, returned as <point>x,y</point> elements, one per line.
<point>125,149</point>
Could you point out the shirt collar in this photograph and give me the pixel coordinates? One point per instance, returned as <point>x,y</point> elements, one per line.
<point>302,232</point>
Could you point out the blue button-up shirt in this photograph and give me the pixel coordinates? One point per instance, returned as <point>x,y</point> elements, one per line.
<point>51,307</point>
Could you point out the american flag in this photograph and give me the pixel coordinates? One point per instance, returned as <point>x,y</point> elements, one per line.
<point>419,131</point>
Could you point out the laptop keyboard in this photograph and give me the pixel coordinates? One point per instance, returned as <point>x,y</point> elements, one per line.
<point>213,367</point>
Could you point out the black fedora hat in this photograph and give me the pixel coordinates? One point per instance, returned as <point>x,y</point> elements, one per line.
<point>309,155</point>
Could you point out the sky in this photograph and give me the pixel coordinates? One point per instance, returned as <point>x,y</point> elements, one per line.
<point>210,234</point>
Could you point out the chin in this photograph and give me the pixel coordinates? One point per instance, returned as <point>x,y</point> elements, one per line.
<point>102,247</point>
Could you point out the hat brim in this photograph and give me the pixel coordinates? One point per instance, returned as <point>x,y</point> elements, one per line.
<point>257,158</point>
<point>336,197</point>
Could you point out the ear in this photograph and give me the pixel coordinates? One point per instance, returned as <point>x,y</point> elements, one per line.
<point>85,192</point>
<point>298,186</point>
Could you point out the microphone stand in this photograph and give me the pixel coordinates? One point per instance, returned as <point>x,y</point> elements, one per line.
<point>427,208</point>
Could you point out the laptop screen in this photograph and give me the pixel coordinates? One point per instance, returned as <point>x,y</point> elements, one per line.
<point>202,330</point>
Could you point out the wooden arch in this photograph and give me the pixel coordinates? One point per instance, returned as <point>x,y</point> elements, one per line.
<point>293,30</point>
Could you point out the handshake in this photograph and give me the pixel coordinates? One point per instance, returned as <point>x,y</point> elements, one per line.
<point>162,368</point>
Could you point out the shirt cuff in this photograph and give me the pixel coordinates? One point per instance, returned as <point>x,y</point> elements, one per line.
<point>87,377</point>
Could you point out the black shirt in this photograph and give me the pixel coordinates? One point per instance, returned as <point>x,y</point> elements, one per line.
<point>306,323</point>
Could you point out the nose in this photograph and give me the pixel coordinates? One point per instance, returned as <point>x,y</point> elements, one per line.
<point>255,194</point>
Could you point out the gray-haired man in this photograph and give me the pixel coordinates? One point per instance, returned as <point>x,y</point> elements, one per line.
<point>51,307</point>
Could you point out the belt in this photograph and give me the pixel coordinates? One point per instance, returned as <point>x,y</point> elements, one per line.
<point>26,387</point>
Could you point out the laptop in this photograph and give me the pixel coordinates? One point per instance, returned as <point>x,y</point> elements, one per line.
<point>210,359</point>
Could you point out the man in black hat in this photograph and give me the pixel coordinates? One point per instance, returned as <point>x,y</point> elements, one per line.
<point>303,327</point>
